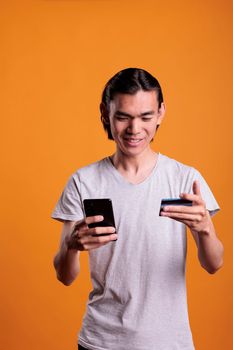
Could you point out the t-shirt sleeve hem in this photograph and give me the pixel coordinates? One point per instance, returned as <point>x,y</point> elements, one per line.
<point>213,211</point>
<point>63,217</point>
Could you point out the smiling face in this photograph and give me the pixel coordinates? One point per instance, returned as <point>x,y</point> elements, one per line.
<point>133,121</point>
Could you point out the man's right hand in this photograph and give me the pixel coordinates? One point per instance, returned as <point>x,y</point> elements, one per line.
<point>84,238</point>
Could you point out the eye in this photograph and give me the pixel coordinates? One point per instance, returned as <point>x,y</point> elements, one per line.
<point>121,118</point>
<point>146,119</point>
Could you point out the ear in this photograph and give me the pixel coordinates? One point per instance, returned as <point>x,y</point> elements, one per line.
<point>161,114</point>
<point>104,113</point>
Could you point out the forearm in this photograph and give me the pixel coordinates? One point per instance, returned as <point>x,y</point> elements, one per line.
<point>66,264</point>
<point>210,250</point>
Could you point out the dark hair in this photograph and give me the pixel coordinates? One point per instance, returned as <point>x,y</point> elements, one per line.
<point>127,81</point>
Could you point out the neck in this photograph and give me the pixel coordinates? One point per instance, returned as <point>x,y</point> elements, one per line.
<point>134,164</point>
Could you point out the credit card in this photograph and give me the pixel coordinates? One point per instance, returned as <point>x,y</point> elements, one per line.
<point>174,201</point>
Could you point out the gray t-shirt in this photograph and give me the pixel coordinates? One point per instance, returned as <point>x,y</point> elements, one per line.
<point>138,300</point>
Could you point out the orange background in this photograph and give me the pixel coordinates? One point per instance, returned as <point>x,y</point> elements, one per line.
<point>55,59</point>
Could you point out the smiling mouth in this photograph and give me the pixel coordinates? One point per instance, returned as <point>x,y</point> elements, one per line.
<point>132,141</point>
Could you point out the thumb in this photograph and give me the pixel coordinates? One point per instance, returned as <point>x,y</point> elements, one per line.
<point>196,188</point>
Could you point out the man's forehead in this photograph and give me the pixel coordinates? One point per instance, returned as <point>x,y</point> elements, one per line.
<point>141,99</point>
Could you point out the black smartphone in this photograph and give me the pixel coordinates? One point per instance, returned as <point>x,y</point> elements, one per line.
<point>174,201</point>
<point>100,206</point>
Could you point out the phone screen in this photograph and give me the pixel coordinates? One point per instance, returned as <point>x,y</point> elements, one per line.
<point>102,206</point>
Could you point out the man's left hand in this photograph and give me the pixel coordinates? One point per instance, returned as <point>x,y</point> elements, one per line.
<point>196,217</point>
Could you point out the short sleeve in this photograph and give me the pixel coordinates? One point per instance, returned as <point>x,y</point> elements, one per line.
<point>206,193</point>
<point>69,205</point>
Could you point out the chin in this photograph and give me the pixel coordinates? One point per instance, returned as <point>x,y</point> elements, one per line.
<point>135,152</point>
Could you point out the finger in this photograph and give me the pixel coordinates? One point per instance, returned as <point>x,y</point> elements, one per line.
<point>183,209</point>
<point>183,216</point>
<point>97,240</point>
<point>86,231</point>
<point>82,226</point>
<point>92,219</point>
<point>196,188</point>
<point>192,197</point>
<point>101,230</point>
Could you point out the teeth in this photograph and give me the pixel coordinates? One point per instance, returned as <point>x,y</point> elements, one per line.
<point>133,140</point>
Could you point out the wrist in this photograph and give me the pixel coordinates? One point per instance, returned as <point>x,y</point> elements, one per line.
<point>207,228</point>
<point>204,233</point>
<point>207,231</point>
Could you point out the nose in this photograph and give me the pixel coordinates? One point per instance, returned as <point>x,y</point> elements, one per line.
<point>134,126</point>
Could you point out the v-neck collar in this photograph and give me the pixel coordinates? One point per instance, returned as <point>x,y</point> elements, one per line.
<point>123,179</point>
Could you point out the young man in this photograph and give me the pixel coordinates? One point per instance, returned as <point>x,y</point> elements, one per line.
<point>138,300</point>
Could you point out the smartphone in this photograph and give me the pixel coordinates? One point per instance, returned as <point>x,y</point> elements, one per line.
<point>102,206</point>
<point>174,201</point>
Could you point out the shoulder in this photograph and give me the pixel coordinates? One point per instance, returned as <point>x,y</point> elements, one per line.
<point>175,167</point>
<point>176,175</point>
<point>91,170</point>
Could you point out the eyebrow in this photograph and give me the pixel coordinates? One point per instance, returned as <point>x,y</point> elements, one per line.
<point>131,116</point>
